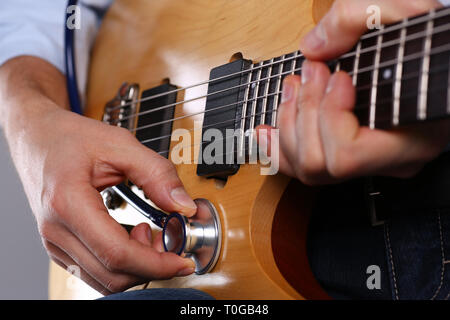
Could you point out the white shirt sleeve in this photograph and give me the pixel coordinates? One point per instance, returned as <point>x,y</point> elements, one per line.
<point>36,28</point>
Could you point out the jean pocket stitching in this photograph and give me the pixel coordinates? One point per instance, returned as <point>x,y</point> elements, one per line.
<point>442,256</point>
<point>391,259</point>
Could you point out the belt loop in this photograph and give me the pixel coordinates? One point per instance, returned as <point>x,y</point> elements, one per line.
<point>375,203</point>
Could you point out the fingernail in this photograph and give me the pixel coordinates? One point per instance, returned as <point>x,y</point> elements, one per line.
<point>180,196</point>
<point>185,272</point>
<point>149,234</point>
<point>331,83</point>
<point>307,72</point>
<point>316,39</point>
<point>288,91</point>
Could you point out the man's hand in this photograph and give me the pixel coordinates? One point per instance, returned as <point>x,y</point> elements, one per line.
<point>64,160</point>
<point>321,140</point>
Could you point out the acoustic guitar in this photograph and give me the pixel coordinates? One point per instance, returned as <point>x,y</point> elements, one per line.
<point>160,66</point>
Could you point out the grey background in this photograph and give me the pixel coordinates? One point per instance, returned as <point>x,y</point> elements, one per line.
<point>23,260</point>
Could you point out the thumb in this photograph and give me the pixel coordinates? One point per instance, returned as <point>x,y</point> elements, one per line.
<point>347,20</point>
<point>156,175</point>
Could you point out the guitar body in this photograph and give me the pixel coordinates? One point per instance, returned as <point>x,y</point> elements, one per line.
<point>264,218</point>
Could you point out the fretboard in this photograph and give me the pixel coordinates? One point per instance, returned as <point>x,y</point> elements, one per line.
<point>400,71</point>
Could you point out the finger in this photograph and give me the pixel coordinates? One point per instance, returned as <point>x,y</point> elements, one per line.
<point>287,113</point>
<point>311,166</point>
<point>264,138</point>
<point>64,261</point>
<point>142,233</point>
<point>156,175</point>
<point>347,20</point>
<point>86,216</point>
<point>351,150</point>
<point>69,245</point>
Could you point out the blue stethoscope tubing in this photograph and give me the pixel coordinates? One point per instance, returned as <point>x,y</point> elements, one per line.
<point>69,59</point>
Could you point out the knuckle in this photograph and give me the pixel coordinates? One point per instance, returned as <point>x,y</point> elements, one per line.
<point>123,135</point>
<point>114,258</point>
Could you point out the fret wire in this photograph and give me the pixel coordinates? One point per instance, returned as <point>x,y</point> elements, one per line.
<point>423,86</point>
<point>356,63</point>
<point>338,66</point>
<point>373,97</point>
<point>276,97</point>
<point>392,62</point>
<point>398,76</point>
<point>294,64</point>
<point>255,104</point>
<point>266,91</point>
<point>244,110</point>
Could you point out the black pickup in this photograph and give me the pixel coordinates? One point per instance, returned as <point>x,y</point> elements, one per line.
<point>155,127</point>
<point>223,107</point>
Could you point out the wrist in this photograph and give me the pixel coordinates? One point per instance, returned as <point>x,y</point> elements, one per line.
<point>30,88</point>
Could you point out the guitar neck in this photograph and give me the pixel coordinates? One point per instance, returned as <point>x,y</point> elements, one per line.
<point>400,71</point>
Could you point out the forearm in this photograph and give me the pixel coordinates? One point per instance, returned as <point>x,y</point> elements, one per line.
<point>29,88</point>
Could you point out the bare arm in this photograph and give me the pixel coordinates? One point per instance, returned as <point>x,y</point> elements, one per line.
<point>63,159</point>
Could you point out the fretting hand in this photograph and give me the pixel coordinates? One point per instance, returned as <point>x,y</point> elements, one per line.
<point>321,140</point>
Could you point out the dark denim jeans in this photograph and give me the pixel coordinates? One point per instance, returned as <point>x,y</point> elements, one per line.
<point>411,249</point>
<point>160,294</point>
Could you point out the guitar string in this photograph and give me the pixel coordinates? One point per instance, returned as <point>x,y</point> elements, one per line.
<point>389,63</point>
<point>436,89</point>
<point>359,107</point>
<point>408,76</point>
<point>406,23</point>
<point>297,55</point>
<point>257,81</point>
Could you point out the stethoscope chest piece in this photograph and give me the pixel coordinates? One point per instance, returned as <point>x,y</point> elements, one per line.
<point>198,237</point>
